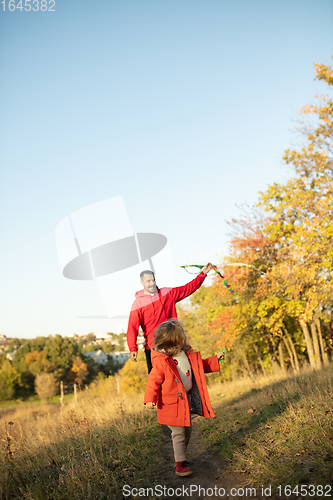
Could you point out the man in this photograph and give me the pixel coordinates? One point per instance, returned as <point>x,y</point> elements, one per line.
<point>153,306</point>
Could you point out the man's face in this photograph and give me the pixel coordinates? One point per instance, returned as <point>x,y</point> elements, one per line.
<point>148,283</point>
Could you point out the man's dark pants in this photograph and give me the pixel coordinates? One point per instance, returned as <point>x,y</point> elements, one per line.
<point>148,359</point>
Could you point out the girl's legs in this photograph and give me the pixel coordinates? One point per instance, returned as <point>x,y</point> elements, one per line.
<point>188,431</point>
<point>178,442</point>
<point>180,438</point>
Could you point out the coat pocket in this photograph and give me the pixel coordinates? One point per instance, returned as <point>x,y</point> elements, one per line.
<point>168,405</point>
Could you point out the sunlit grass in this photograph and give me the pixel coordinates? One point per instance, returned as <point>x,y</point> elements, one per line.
<point>85,451</point>
<point>272,430</point>
<point>275,430</point>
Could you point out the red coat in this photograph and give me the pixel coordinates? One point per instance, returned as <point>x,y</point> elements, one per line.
<point>165,388</point>
<point>149,311</point>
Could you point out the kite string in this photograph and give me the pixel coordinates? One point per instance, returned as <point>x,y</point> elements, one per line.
<point>225,281</point>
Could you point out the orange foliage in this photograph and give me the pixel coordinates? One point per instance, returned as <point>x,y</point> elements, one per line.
<point>32,357</point>
<point>79,371</point>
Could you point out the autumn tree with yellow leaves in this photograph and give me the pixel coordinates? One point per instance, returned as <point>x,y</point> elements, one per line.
<point>302,222</point>
<point>283,311</point>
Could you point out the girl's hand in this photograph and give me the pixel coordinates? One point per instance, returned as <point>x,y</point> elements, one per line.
<point>150,405</point>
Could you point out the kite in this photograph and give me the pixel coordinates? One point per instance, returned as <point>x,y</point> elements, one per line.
<point>193,267</point>
<point>225,281</point>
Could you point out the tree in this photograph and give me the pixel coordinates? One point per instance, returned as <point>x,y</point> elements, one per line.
<point>133,376</point>
<point>108,347</point>
<point>285,308</point>
<point>91,337</point>
<point>31,345</point>
<point>118,340</point>
<point>90,348</point>
<point>58,354</point>
<point>10,379</point>
<point>302,218</point>
<point>34,362</point>
<point>79,372</point>
<point>46,385</point>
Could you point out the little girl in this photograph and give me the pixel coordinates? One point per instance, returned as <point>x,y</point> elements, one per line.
<point>177,386</point>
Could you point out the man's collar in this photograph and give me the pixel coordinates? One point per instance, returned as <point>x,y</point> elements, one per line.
<point>151,294</point>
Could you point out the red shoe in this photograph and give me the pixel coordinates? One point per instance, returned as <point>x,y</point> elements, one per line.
<point>182,469</point>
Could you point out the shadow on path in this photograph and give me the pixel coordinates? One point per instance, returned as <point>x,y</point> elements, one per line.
<point>211,478</point>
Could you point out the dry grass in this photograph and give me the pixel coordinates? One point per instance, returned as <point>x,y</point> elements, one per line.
<point>275,430</point>
<point>83,452</point>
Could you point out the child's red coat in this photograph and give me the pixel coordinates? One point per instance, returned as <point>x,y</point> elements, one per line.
<point>165,388</point>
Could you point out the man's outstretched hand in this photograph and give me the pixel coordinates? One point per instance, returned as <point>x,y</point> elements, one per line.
<point>221,356</point>
<point>134,355</point>
<point>208,267</point>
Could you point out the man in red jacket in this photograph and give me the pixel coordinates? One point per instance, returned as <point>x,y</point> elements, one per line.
<point>153,306</point>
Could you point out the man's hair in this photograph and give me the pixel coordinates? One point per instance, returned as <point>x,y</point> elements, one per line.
<point>170,336</point>
<point>146,272</point>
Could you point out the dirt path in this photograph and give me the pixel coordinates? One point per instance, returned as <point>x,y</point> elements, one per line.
<point>210,477</point>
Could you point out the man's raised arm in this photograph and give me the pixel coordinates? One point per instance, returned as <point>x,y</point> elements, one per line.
<point>181,292</point>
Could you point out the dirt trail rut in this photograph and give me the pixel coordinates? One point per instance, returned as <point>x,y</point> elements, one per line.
<point>210,478</point>
<point>209,471</point>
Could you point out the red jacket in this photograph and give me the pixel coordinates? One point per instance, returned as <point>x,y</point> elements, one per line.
<point>164,387</point>
<point>149,311</point>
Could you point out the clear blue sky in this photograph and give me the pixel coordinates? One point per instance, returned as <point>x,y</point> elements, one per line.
<point>183,107</point>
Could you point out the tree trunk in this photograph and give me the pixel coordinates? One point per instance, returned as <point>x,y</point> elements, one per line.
<point>246,364</point>
<point>309,345</point>
<point>259,359</point>
<point>292,346</point>
<point>315,343</point>
<point>321,341</point>
<point>281,356</point>
<point>275,362</point>
<point>291,357</point>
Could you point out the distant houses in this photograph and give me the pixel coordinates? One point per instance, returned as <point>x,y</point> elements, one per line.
<point>98,356</point>
<point>101,358</point>
<point>120,357</point>
<point>4,346</point>
<point>4,341</point>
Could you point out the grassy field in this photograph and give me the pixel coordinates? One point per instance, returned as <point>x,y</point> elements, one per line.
<point>83,452</point>
<point>275,430</point>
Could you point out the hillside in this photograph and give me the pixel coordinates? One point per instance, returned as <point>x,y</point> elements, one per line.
<point>268,431</point>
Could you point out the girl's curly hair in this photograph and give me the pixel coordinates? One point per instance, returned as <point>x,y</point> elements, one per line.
<point>171,338</point>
